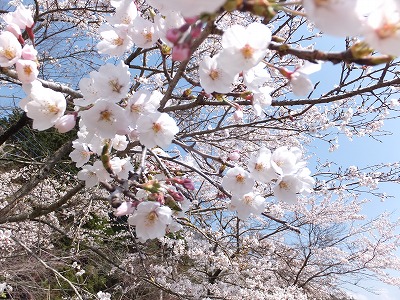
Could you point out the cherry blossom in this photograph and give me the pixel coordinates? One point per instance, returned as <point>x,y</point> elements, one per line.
<point>285,161</point>
<point>187,8</point>
<point>126,208</point>
<point>89,90</point>
<point>115,41</point>
<point>126,11</point>
<point>156,129</point>
<point>16,31</point>
<point>125,166</point>
<point>112,80</point>
<point>382,28</point>
<point>65,123</point>
<point>143,33</point>
<point>150,220</point>
<point>119,142</point>
<point>10,49</point>
<point>44,106</point>
<point>29,52</point>
<point>167,23</point>
<point>223,150</point>
<point>88,174</point>
<point>27,70</point>
<point>336,17</point>
<point>141,103</point>
<point>287,187</point>
<point>105,119</point>
<point>81,153</point>
<point>246,46</point>
<point>256,77</point>
<point>22,16</point>
<point>248,204</point>
<point>299,81</point>
<point>260,165</point>
<point>261,99</point>
<point>238,181</point>
<point>213,77</point>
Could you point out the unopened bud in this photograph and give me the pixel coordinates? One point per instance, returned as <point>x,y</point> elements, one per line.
<point>234,156</point>
<point>181,52</point>
<point>172,204</point>
<point>31,34</point>
<point>191,20</point>
<point>196,31</point>
<point>173,35</point>
<point>65,123</point>
<point>176,195</point>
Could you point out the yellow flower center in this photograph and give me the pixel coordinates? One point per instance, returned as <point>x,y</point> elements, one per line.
<point>283,185</point>
<point>386,30</point>
<point>28,70</point>
<point>8,53</point>
<point>248,200</point>
<point>136,108</point>
<point>258,167</point>
<point>156,127</point>
<point>126,20</point>
<point>118,41</point>
<point>53,109</point>
<point>148,36</point>
<point>240,178</point>
<point>84,154</point>
<point>106,115</point>
<point>247,51</point>
<point>214,74</point>
<point>320,3</point>
<point>115,86</point>
<point>151,218</point>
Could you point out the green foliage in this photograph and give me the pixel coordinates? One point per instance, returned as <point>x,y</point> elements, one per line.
<point>30,143</point>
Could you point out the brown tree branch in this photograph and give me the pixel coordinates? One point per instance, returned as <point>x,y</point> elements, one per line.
<point>13,199</point>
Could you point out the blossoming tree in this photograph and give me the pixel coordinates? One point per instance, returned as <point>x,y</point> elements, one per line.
<point>187,177</point>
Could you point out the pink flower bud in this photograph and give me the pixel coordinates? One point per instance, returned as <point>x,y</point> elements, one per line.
<point>196,31</point>
<point>185,182</point>
<point>176,195</point>
<point>181,52</point>
<point>234,156</point>
<point>184,27</point>
<point>238,115</point>
<point>29,53</point>
<point>191,20</point>
<point>173,35</point>
<point>65,123</point>
<point>188,184</point>
<point>31,34</point>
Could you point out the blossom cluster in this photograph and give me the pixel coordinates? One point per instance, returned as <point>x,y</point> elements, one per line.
<point>113,118</point>
<point>283,168</point>
<point>377,21</point>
